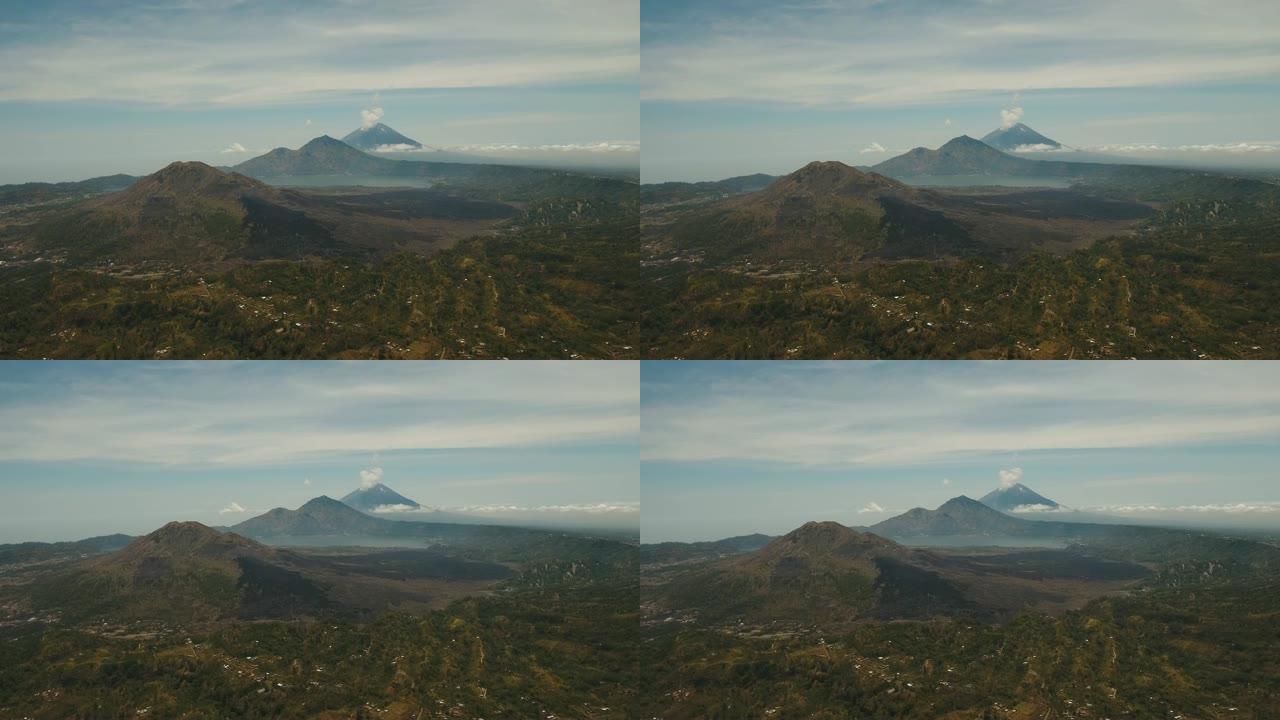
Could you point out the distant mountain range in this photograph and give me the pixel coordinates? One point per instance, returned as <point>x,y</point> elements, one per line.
<point>829,212</point>
<point>957,516</point>
<point>188,572</point>
<point>965,156</point>
<point>190,213</point>
<point>26,552</point>
<point>323,516</point>
<point>676,552</point>
<point>319,516</point>
<point>669,192</point>
<point>380,137</point>
<point>321,156</point>
<point>960,156</point>
<point>38,192</point>
<point>826,574</point>
<point>325,156</point>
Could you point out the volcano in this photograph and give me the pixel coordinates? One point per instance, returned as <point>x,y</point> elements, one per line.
<point>378,498</point>
<point>1017,497</point>
<point>1011,138</point>
<point>380,138</point>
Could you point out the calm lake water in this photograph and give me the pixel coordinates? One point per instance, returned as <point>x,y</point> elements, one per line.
<point>986,180</point>
<point>954,541</point>
<point>347,181</point>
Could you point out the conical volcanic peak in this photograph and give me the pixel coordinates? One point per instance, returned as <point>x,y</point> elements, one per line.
<point>323,502</point>
<point>1016,496</point>
<point>962,502</point>
<point>827,178</point>
<point>318,516</point>
<point>830,538</point>
<point>189,539</point>
<point>964,141</point>
<point>323,142</point>
<point>1016,136</point>
<point>379,498</point>
<point>320,156</point>
<point>379,137</point>
<point>960,155</point>
<point>194,179</point>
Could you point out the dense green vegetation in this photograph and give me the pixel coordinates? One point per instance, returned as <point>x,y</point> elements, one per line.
<point>545,291</point>
<point>521,654</point>
<point>1190,633</point>
<point>1207,652</point>
<point>1190,287</point>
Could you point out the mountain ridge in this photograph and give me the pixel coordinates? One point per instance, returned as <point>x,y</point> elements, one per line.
<point>826,212</point>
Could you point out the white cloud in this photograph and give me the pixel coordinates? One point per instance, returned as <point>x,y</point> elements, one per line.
<point>1010,477</point>
<point>874,147</point>
<point>397,508</point>
<point>946,481</point>
<point>234,147</point>
<point>307,482</point>
<point>1235,508</point>
<point>1010,116</point>
<point>370,117</point>
<point>612,146</point>
<point>234,507</point>
<point>1036,508</point>
<point>947,122</point>
<point>1041,148</point>
<point>589,508</point>
<point>396,147</point>
<point>308,123</point>
<point>370,477</point>
<point>871,508</point>
<point>1237,147</point>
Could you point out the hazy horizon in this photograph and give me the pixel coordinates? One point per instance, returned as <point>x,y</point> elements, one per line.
<point>106,447</point>
<point>730,450</point>
<point>95,89</point>
<point>733,89</point>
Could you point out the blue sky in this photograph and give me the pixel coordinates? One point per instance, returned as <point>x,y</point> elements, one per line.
<point>100,447</point>
<point>736,447</point>
<point>731,88</point>
<point>94,87</point>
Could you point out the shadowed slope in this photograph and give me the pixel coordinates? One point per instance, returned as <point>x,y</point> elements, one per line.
<point>188,212</point>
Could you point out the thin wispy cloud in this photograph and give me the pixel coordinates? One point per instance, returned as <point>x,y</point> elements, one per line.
<point>1230,508</point>
<point>831,416</point>
<point>284,52</point>
<point>243,415</point>
<point>731,448</point>
<point>884,54</point>
<point>610,146</point>
<point>588,508</point>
